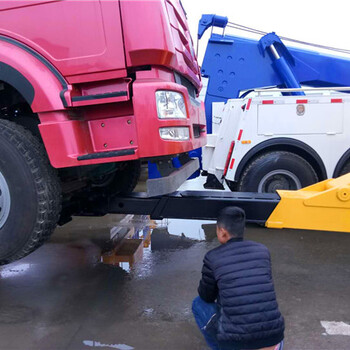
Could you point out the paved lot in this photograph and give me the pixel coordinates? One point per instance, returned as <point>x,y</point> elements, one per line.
<point>62,297</point>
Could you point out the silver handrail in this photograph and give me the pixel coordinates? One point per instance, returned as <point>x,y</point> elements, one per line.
<point>338,88</point>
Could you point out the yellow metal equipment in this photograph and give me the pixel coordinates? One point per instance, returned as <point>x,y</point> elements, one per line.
<point>323,206</point>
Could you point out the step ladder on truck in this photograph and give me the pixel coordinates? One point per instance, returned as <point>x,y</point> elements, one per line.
<point>286,137</point>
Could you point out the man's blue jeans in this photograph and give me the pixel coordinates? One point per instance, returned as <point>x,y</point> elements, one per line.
<point>203,312</point>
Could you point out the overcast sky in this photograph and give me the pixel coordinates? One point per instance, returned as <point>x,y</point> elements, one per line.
<point>317,21</point>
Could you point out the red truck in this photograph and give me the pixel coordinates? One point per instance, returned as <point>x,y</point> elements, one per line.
<point>89,89</point>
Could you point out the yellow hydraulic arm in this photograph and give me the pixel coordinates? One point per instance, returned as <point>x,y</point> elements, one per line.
<point>323,206</point>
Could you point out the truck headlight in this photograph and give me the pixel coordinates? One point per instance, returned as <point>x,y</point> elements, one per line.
<point>170,105</point>
<point>175,133</point>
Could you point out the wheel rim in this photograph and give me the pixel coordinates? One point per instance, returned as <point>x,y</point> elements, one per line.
<point>5,200</point>
<point>279,180</point>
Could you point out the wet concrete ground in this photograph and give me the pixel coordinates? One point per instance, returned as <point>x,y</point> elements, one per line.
<point>62,297</point>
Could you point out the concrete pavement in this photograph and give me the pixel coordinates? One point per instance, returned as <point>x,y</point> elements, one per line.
<point>62,297</point>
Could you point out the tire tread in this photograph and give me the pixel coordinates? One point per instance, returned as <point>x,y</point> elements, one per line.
<point>252,165</point>
<point>46,182</point>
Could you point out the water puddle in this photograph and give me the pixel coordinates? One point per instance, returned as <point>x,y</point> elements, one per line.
<point>119,241</point>
<point>97,344</point>
<point>12,271</point>
<point>201,230</point>
<point>137,237</point>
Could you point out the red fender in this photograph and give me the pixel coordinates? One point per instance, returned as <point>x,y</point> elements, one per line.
<point>32,75</point>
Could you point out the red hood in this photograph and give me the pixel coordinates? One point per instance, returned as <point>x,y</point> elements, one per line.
<point>156,33</point>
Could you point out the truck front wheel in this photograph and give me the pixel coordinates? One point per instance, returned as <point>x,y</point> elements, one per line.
<point>30,199</point>
<point>277,170</point>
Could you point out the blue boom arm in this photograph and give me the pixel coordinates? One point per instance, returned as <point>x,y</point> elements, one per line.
<point>234,64</point>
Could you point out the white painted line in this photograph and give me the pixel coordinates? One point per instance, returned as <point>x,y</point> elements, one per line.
<point>97,344</point>
<point>336,328</point>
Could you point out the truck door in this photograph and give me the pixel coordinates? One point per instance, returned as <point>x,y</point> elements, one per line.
<point>77,37</point>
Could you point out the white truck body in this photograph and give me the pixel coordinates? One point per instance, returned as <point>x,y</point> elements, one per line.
<point>320,120</point>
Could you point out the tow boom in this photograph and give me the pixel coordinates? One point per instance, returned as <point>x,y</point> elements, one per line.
<point>323,206</point>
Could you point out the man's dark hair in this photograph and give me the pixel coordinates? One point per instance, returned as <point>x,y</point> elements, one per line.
<point>232,219</point>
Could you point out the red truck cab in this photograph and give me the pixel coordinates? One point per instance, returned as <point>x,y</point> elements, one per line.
<point>94,67</point>
<point>94,87</point>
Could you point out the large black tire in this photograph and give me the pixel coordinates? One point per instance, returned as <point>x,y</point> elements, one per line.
<point>278,170</point>
<point>33,190</point>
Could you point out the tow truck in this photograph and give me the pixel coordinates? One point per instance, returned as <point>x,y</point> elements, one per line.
<point>277,116</point>
<point>324,205</point>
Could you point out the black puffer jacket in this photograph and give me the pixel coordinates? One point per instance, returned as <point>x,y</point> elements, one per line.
<point>238,275</point>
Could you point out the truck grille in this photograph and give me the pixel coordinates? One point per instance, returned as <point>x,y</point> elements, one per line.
<point>179,79</point>
<point>182,40</point>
